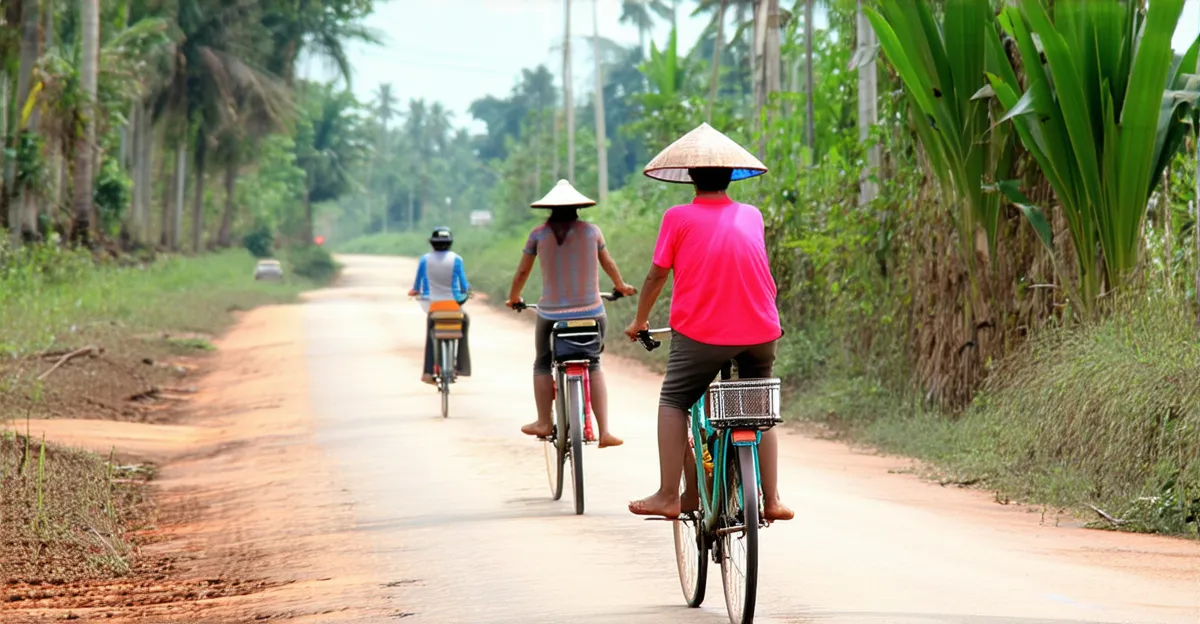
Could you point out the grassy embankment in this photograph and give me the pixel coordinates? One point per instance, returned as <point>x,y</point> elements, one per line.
<point>66,514</point>
<point>1101,415</point>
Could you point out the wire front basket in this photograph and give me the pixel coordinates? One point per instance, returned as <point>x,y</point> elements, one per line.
<point>744,404</point>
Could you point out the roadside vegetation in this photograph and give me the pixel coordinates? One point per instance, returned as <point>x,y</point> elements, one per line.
<point>1021,317</point>
<point>118,339</point>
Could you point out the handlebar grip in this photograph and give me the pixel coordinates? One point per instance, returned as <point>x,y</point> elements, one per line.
<point>648,341</point>
<point>519,306</point>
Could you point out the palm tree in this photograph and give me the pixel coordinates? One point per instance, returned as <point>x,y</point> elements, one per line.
<point>330,144</point>
<point>89,13</point>
<point>641,14</point>
<point>19,222</point>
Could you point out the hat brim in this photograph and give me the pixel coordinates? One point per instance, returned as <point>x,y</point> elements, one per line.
<point>679,175</point>
<point>553,206</point>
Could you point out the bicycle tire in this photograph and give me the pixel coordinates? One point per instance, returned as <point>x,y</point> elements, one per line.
<point>575,431</point>
<point>446,372</point>
<point>558,443</point>
<point>691,554</point>
<point>741,500</point>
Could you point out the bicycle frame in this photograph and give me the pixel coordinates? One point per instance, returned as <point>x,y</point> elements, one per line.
<point>576,370</point>
<point>721,443</point>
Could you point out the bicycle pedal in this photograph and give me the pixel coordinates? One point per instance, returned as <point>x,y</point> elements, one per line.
<point>659,519</point>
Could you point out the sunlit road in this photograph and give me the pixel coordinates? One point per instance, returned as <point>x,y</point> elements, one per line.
<point>461,521</point>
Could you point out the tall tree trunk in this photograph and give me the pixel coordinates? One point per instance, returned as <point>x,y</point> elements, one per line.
<point>85,153</point>
<point>809,122</point>
<point>168,178</point>
<point>134,220</point>
<point>146,162</point>
<point>5,179</point>
<point>601,135</point>
<point>180,191</point>
<point>308,213</point>
<point>198,193</point>
<point>231,171</point>
<point>868,106</point>
<point>715,82</point>
<point>568,97</point>
<point>18,222</point>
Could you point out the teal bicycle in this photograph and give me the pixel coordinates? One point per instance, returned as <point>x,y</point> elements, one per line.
<point>726,427</point>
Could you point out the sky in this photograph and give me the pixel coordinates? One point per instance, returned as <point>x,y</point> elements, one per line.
<point>456,51</point>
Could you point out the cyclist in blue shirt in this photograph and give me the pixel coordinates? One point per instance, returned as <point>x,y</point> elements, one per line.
<point>440,277</point>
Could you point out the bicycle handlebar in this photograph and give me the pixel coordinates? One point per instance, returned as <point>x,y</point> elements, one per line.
<point>646,337</point>
<point>521,306</point>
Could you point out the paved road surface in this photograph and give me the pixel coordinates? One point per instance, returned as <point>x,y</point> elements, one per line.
<point>463,527</point>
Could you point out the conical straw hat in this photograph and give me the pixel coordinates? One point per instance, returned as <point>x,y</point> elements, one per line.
<point>563,195</point>
<point>703,147</point>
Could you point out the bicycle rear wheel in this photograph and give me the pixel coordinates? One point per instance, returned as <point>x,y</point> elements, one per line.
<point>739,548</point>
<point>446,371</point>
<point>691,554</point>
<point>574,393</point>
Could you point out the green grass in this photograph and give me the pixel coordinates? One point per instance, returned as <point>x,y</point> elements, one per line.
<point>53,298</point>
<point>1104,415</point>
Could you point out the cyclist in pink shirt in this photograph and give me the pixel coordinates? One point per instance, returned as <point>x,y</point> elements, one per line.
<point>722,308</point>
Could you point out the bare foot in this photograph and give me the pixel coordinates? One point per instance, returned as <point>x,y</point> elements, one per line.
<point>657,505</point>
<point>538,429</point>
<point>690,501</point>
<point>608,439</point>
<point>776,511</point>
<point>428,379</point>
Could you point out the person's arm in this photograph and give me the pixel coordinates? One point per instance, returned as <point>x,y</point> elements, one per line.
<point>610,268</point>
<point>460,280</point>
<point>656,279</point>
<point>518,282</point>
<point>422,280</point>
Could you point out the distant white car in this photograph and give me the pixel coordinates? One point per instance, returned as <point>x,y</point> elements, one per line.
<point>268,270</point>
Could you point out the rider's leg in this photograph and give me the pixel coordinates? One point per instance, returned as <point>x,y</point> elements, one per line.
<point>427,372</point>
<point>599,391</point>
<point>757,363</point>
<point>600,408</point>
<point>691,366</point>
<point>543,382</point>
<point>463,366</point>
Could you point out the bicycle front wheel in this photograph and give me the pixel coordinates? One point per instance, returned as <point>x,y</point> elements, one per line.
<point>739,539</point>
<point>575,429</point>
<point>691,554</point>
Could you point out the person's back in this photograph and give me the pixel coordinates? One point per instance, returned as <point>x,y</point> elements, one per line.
<point>440,269</point>
<point>570,270</point>
<point>723,293</point>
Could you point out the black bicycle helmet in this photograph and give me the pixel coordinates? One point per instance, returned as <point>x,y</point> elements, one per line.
<point>441,235</point>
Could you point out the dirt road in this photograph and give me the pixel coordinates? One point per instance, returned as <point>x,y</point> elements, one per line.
<point>461,524</point>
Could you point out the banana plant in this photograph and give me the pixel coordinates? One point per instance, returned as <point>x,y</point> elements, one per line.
<point>1105,105</point>
<point>944,69</point>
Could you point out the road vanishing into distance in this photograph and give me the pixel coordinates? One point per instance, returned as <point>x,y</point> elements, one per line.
<point>460,521</point>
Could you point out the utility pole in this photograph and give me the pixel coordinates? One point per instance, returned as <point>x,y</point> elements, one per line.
<point>809,123</point>
<point>601,135</point>
<point>568,100</point>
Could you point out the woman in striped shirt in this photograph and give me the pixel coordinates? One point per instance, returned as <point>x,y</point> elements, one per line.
<point>571,253</point>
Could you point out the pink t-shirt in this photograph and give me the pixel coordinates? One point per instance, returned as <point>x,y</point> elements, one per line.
<point>724,293</point>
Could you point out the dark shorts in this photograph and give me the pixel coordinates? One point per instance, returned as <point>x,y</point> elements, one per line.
<point>541,363</point>
<point>692,366</point>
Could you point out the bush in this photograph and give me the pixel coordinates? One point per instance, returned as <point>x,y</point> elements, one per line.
<point>260,242</point>
<point>314,262</point>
